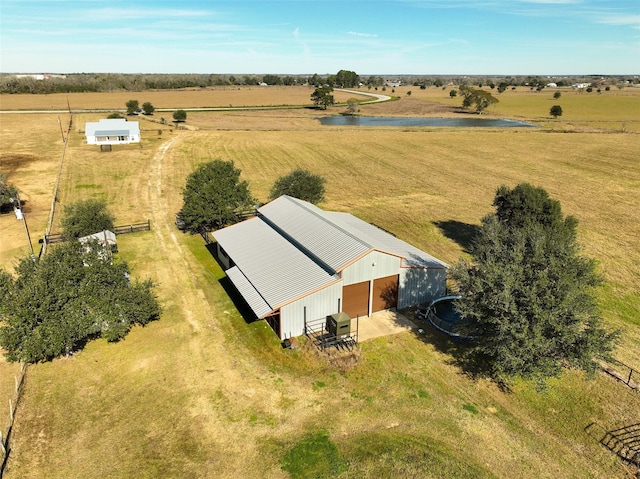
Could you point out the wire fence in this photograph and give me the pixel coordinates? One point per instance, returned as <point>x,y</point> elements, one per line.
<point>623,373</point>
<point>5,432</point>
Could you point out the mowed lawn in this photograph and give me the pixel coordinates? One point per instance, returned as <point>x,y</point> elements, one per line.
<point>201,393</point>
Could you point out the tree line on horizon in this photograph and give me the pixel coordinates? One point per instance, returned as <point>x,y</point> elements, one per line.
<point>104,82</point>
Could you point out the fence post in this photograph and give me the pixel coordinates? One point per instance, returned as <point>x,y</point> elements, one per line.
<point>629,379</point>
<point>10,412</point>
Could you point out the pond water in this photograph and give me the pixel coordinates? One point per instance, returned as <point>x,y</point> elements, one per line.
<point>398,121</point>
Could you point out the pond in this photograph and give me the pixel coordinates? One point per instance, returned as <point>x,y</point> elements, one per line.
<point>408,121</point>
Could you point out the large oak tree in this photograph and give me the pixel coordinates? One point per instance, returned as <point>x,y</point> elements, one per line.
<point>86,218</point>
<point>214,197</point>
<point>528,292</point>
<point>301,184</point>
<point>76,292</point>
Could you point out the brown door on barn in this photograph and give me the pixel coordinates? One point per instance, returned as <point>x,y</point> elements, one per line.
<point>355,299</point>
<point>385,293</point>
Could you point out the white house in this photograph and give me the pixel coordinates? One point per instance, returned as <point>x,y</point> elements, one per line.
<point>113,131</point>
<point>295,263</point>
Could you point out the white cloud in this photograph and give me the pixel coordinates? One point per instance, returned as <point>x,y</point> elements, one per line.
<point>622,20</point>
<point>359,34</point>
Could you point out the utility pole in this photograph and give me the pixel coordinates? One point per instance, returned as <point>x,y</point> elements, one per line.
<point>17,208</point>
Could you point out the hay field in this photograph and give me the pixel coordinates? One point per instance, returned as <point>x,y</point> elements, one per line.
<point>615,110</point>
<point>200,393</point>
<point>172,99</point>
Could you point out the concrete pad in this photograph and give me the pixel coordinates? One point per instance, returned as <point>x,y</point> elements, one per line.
<point>384,323</point>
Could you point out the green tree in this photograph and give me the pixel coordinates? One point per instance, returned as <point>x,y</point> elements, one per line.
<point>557,95</point>
<point>272,80</point>
<point>352,106</point>
<point>114,115</point>
<point>8,191</point>
<point>300,184</point>
<point>214,196</point>
<point>555,111</point>
<point>528,294</point>
<point>69,296</point>
<point>86,218</point>
<point>347,79</point>
<point>179,115</point>
<point>453,93</point>
<point>480,98</point>
<point>148,108</point>
<point>132,107</point>
<point>315,80</point>
<point>322,97</point>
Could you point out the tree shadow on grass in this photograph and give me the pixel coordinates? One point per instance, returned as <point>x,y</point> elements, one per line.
<point>462,233</point>
<point>461,353</point>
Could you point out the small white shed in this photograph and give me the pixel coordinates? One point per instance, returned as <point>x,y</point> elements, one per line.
<point>106,238</point>
<point>112,131</point>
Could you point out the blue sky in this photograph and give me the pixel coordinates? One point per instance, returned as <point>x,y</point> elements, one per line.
<point>516,37</point>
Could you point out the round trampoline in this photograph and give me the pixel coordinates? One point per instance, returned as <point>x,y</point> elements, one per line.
<point>442,314</point>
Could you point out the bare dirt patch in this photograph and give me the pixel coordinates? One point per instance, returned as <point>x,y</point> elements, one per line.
<point>9,162</point>
<point>192,98</point>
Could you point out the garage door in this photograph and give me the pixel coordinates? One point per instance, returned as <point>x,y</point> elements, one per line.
<point>355,299</point>
<point>385,293</point>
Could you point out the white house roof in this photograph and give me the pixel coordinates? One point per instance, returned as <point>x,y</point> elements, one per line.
<point>293,248</point>
<point>112,127</point>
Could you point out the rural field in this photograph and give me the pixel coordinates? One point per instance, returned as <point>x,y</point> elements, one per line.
<point>203,393</point>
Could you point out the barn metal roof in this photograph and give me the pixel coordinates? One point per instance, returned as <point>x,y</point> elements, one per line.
<point>338,239</point>
<point>382,241</point>
<point>271,271</point>
<point>308,226</point>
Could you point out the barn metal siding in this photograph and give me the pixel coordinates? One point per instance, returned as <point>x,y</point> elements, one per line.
<point>223,257</point>
<point>319,304</point>
<point>373,265</point>
<point>420,285</point>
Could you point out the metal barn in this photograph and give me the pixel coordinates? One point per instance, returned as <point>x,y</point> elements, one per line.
<point>294,263</point>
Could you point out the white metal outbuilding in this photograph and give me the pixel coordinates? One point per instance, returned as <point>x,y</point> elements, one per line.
<point>295,262</point>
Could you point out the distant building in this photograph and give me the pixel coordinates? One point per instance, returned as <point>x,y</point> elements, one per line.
<point>116,131</point>
<point>552,85</point>
<point>580,86</point>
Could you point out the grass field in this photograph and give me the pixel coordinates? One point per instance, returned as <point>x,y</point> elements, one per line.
<point>201,393</point>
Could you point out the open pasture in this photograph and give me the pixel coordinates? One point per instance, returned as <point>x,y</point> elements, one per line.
<point>201,393</point>
<point>189,98</point>
<point>614,110</point>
